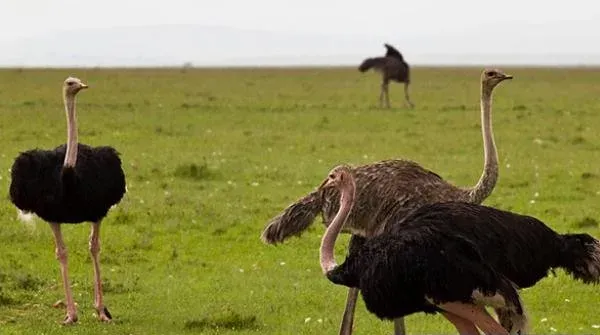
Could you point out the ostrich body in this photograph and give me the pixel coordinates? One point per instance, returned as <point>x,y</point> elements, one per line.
<point>521,247</point>
<point>419,268</point>
<point>73,183</point>
<point>393,67</point>
<point>388,190</point>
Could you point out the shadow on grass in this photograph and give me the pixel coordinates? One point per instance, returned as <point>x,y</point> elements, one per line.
<point>230,320</point>
<point>194,171</point>
<point>5,299</point>
<point>587,222</point>
<point>17,287</point>
<point>128,285</point>
<point>588,175</point>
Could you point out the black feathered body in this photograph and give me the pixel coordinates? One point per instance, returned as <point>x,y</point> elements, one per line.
<point>390,51</point>
<point>392,65</point>
<point>392,68</point>
<point>40,184</point>
<point>401,274</point>
<point>521,247</point>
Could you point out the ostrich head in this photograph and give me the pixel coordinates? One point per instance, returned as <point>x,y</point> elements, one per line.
<point>73,85</point>
<point>492,77</point>
<point>339,177</point>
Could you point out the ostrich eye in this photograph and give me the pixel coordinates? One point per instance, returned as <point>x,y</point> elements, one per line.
<point>331,176</point>
<point>491,73</point>
<point>70,83</point>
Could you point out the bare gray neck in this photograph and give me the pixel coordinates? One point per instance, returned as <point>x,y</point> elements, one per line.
<point>489,177</point>
<point>327,258</point>
<point>71,155</point>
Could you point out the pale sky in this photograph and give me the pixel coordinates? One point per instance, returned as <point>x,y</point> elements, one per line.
<point>20,18</point>
<point>576,21</point>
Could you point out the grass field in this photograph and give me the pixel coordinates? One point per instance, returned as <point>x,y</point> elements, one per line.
<point>211,155</point>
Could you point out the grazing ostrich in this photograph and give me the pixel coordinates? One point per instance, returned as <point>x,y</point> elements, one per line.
<point>520,247</point>
<point>392,67</point>
<point>73,183</point>
<point>387,189</point>
<point>420,268</point>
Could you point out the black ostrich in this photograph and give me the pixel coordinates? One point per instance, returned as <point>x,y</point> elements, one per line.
<point>392,67</point>
<point>520,247</point>
<point>420,269</point>
<point>73,183</point>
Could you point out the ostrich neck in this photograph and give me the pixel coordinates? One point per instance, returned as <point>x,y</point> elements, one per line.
<point>328,241</point>
<point>488,178</point>
<point>71,155</point>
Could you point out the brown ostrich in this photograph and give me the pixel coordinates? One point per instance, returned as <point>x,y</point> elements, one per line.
<point>392,67</point>
<point>387,190</point>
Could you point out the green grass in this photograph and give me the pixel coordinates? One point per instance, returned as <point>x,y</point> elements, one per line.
<point>211,155</point>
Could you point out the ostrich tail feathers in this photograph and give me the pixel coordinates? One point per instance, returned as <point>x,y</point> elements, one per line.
<point>25,217</point>
<point>293,220</point>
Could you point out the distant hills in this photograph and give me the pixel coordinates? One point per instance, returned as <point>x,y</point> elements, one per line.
<point>175,45</point>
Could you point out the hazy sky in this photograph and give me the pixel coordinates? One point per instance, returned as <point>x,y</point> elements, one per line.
<point>573,25</point>
<point>21,18</point>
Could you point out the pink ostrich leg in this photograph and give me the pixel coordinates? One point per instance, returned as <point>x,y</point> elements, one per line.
<point>61,255</point>
<point>103,313</point>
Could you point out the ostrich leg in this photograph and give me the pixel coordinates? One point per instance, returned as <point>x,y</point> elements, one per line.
<point>348,318</point>
<point>399,327</point>
<point>103,313</point>
<point>464,326</point>
<point>476,314</point>
<point>61,255</point>
<point>410,104</point>
<point>506,318</point>
<point>386,87</point>
<point>381,94</point>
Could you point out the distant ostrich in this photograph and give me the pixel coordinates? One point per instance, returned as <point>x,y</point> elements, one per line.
<point>70,184</point>
<point>392,67</point>
<point>420,269</point>
<point>389,189</point>
<point>520,247</point>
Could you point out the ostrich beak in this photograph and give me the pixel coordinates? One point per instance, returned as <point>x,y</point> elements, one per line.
<point>507,76</point>
<point>324,184</point>
<point>84,85</point>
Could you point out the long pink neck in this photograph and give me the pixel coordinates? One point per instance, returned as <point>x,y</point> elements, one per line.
<point>71,155</point>
<point>328,241</point>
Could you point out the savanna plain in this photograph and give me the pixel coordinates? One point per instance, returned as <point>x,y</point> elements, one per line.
<point>211,155</point>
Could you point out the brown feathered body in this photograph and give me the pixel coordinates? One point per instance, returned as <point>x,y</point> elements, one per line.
<point>384,191</point>
<point>387,189</point>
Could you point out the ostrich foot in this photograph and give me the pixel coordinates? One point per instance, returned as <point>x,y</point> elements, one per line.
<point>70,319</point>
<point>59,304</point>
<point>104,315</point>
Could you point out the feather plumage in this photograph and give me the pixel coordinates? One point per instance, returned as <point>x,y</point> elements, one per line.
<point>40,184</point>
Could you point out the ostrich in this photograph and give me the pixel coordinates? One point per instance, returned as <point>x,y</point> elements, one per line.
<point>387,189</point>
<point>420,268</point>
<point>73,183</point>
<point>521,247</point>
<point>392,67</point>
